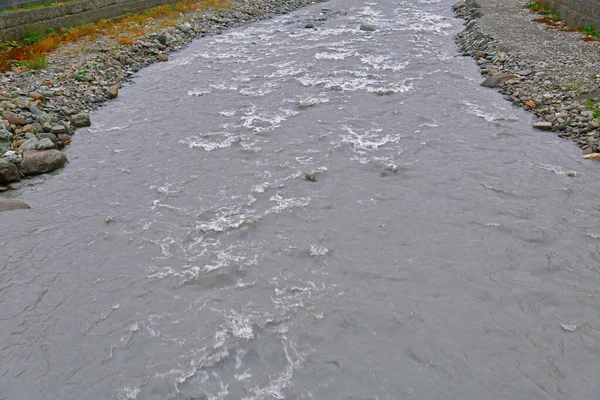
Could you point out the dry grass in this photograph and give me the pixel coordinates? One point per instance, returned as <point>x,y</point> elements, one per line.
<point>125,31</point>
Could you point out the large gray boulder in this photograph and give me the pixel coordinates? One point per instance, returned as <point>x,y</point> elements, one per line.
<point>41,162</point>
<point>10,204</point>
<point>9,172</point>
<point>497,80</point>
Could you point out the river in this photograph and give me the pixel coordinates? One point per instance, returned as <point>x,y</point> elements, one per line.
<point>282,212</point>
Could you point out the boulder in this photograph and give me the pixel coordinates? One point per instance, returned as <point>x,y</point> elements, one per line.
<point>80,120</point>
<point>9,172</point>
<point>11,204</point>
<point>45,144</point>
<point>40,162</point>
<point>30,144</point>
<point>496,80</point>
<point>56,129</point>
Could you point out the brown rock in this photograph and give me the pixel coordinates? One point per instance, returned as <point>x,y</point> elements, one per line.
<point>593,156</point>
<point>113,92</point>
<point>530,103</point>
<point>36,96</point>
<point>162,57</point>
<point>40,162</point>
<point>13,118</point>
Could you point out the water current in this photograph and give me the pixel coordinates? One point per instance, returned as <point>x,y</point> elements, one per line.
<point>290,213</point>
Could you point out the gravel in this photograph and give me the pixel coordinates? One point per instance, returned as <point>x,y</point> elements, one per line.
<point>549,71</point>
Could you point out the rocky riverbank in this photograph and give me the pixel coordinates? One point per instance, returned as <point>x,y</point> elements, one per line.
<point>41,109</point>
<point>549,71</point>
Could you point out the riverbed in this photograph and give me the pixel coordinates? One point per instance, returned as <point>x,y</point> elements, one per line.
<point>283,212</point>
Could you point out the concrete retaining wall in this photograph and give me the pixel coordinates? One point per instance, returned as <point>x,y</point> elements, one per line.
<point>579,13</point>
<point>14,25</point>
<point>4,4</point>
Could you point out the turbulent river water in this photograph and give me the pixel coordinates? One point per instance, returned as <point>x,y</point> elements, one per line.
<point>289,213</point>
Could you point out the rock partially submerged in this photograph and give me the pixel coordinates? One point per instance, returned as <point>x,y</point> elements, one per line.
<point>9,172</point>
<point>11,204</point>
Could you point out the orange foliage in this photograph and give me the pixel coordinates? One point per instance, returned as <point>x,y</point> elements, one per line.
<point>125,30</point>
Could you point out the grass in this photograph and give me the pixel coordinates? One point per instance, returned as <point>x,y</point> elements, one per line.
<point>31,6</point>
<point>591,106</point>
<point>39,41</point>
<point>590,30</point>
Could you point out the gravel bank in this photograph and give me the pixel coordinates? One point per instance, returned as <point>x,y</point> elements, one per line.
<point>41,109</point>
<point>548,71</point>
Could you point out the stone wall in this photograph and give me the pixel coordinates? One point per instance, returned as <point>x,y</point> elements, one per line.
<point>4,4</point>
<point>14,25</point>
<point>579,13</point>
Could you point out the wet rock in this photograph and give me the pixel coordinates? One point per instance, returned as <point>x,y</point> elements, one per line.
<point>80,120</point>
<point>14,186</point>
<point>367,27</point>
<point>41,162</point>
<point>496,80</point>
<point>162,57</point>
<point>543,125</point>
<point>11,204</point>
<point>9,172</point>
<point>309,26</point>
<point>112,92</point>
<point>14,118</point>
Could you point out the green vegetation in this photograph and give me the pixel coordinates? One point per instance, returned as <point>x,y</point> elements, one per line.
<point>591,106</point>
<point>30,6</point>
<point>591,31</point>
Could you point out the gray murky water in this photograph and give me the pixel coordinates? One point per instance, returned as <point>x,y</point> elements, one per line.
<point>444,251</point>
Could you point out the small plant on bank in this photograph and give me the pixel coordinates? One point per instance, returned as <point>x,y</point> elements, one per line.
<point>592,106</point>
<point>533,6</point>
<point>591,31</point>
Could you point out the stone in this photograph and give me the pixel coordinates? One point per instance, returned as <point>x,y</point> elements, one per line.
<point>9,172</point>
<point>36,96</point>
<point>496,80</point>
<point>592,156</point>
<point>530,103</point>
<point>41,162</point>
<point>367,28</point>
<point>14,118</point>
<point>309,26</point>
<point>162,57</point>
<point>45,144</point>
<point>14,186</point>
<point>5,135</point>
<point>56,129</point>
<point>112,92</point>
<point>30,144</point>
<point>80,120</point>
<point>12,204</point>
<point>50,136</point>
<point>543,125</point>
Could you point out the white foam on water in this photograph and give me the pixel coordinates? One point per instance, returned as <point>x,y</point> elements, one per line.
<point>227,113</point>
<point>318,250</point>
<point>284,204</point>
<point>205,143</point>
<point>239,325</point>
<point>367,141</point>
<point>474,109</point>
<point>335,54</point>
<point>311,101</point>
<point>263,122</point>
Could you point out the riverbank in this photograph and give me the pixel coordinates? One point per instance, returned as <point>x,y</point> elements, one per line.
<point>42,109</point>
<point>549,71</point>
